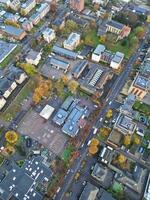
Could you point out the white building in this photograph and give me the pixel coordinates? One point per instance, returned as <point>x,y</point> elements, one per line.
<point>27,6</point>
<point>96,55</point>
<point>2,102</point>
<point>43,9</point>
<point>101,2</point>
<point>117,60</point>
<point>33,57</point>
<point>72,42</point>
<point>14,4</point>
<point>49,35</point>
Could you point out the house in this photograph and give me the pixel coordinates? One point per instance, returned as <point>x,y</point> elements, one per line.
<point>125,124</point>
<point>27,25</point>
<point>27,6</point>
<point>89,192</point>
<point>117,60</point>
<point>140,86</point>
<point>14,4</point>
<point>13,32</point>
<point>58,24</point>
<point>48,35</point>
<point>114,27</point>
<point>22,182</point>
<point>7,87</point>
<point>35,18</point>
<point>77,5</point>
<point>78,68</point>
<point>124,32</point>
<point>96,55</point>
<point>59,64</point>
<point>72,42</point>
<point>101,2</point>
<point>2,102</point>
<point>33,57</point>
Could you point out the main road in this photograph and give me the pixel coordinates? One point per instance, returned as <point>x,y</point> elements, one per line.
<point>116,88</point>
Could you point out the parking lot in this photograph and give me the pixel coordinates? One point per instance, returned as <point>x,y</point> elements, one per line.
<point>43,131</point>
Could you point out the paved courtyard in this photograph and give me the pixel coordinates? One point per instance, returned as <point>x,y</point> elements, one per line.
<point>43,131</point>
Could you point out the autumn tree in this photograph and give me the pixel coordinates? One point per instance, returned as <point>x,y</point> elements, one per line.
<point>12,23</point>
<point>93,147</point>
<point>73,86</point>
<point>140,32</point>
<point>11,137</point>
<point>102,39</point>
<point>109,113</point>
<point>127,140</point>
<point>71,25</point>
<point>121,159</point>
<point>64,79</point>
<point>59,85</point>
<point>136,140</point>
<point>105,131</point>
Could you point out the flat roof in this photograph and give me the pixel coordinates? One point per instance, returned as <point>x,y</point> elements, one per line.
<point>72,38</point>
<point>59,63</point>
<point>66,104</point>
<point>89,192</point>
<point>99,49</point>
<point>60,116</point>
<point>11,30</point>
<point>141,82</point>
<point>118,57</point>
<point>47,111</point>
<point>5,49</point>
<point>64,52</point>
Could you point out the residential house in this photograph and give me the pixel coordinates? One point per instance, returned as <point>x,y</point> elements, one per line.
<point>7,87</point>
<point>114,27</point>
<point>13,32</point>
<point>27,25</point>
<point>14,4</point>
<point>140,86</point>
<point>48,35</point>
<point>77,5</point>
<point>33,57</point>
<point>72,41</point>
<point>27,6</point>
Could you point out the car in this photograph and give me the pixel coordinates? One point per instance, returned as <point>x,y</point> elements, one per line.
<point>95,130</point>
<point>95,106</point>
<point>101,119</point>
<point>84,183</point>
<point>110,102</point>
<point>88,142</point>
<point>28,142</point>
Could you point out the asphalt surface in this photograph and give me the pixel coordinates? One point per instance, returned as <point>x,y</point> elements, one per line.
<point>114,92</point>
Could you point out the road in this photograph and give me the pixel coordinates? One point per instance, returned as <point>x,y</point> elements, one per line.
<point>116,88</point>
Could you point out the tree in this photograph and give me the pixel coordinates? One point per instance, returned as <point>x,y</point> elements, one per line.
<point>12,23</point>
<point>28,68</point>
<point>11,137</point>
<point>59,85</point>
<point>140,32</point>
<point>102,39</point>
<point>105,131</point>
<point>72,86</point>
<point>136,140</point>
<point>109,113</point>
<point>127,140</point>
<point>71,25</point>
<point>93,149</point>
<point>94,142</point>
<point>64,79</point>
<point>121,159</point>
<point>53,6</point>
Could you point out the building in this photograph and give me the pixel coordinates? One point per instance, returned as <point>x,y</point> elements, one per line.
<point>105,154</point>
<point>40,13</point>
<point>64,52</point>
<point>125,124</point>
<point>59,64</point>
<point>95,79</point>
<point>72,42</point>
<point>26,182</point>
<point>6,49</point>
<point>14,4</point>
<point>27,6</point>
<point>27,25</point>
<point>114,27</point>
<point>101,2</point>
<point>89,192</point>
<point>96,55</point>
<point>147,189</point>
<point>47,112</point>
<point>117,60</point>
<point>115,138</point>
<point>13,32</point>
<point>124,32</point>
<point>99,172</point>
<point>58,24</point>
<point>101,54</point>
<point>69,115</point>
<point>77,5</point>
<point>33,57</point>
<point>140,86</point>
<point>48,35</point>
<point>78,68</point>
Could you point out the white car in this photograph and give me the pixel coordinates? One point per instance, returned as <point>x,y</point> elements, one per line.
<point>101,119</point>
<point>95,131</point>
<point>110,102</point>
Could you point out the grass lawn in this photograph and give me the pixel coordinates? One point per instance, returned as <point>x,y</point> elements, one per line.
<point>66,155</point>
<point>142,107</point>
<point>91,38</point>
<point>15,106</point>
<point>10,57</point>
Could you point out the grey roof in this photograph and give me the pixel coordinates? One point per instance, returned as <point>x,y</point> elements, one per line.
<point>60,117</point>
<point>64,52</point>
<point>99,49</point>
<point>58,21</point>
<point>142,82</point>
<point>79,66</point>
<point>14,73</point>
<point>32,54</point>
<point>105,195</point>
<point>27,3</point>
<point>11,30</point>
<point>115,24</point>
<point>4,84</point>
<point>59,63</point>
<point>118,57</point>
<point>66,104</point>
<point>5,49</point>
<point>19,181</point>
<point>90,192</point>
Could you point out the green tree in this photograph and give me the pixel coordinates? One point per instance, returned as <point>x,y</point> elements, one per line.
<point>28,68</point>
<point>72,86</point>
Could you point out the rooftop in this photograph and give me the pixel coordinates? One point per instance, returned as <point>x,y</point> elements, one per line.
<point>73,37</point>
<point>47,111</point>
<point>115,24</point>
<point>118,57</point>
<point>11,30</point>
<point>59,63</point>
<point>99,49</point>
<point>89,193</point>
<point>141,82</point>
<point>64,52</point>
